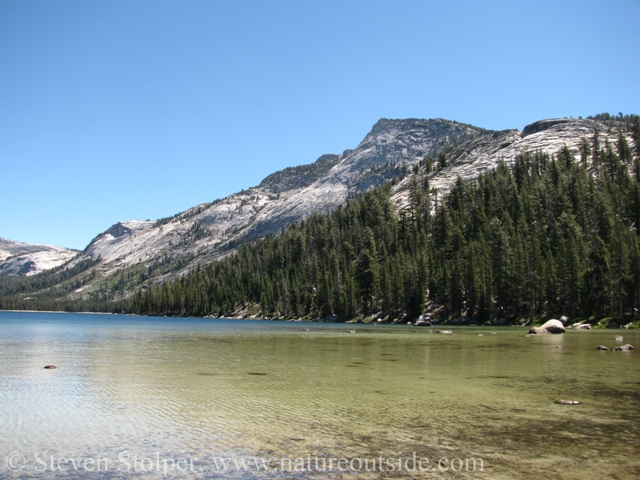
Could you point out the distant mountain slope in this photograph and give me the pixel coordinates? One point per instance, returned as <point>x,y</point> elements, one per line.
<point>152,251</point>
<point>18,258</point>
<point>203,233</point>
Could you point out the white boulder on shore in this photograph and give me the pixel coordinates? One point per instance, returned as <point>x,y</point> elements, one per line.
<point>551,326</point>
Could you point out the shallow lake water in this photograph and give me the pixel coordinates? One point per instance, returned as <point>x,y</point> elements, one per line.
<point>156,397</point>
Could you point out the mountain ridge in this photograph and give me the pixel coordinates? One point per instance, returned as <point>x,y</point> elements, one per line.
<point>18,258</point>
<point>173,246</point>
<point>201,231</point>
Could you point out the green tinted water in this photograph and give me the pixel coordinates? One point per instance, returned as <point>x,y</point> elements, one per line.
<point>205,389</point>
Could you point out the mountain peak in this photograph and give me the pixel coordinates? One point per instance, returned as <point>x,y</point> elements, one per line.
<point>392,149</point>
<point>385,125</point>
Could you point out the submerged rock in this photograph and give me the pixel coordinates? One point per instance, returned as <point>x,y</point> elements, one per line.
<point>537,331</point>
<point>601,347</point>
<point>445,332</point>
<point>50,367</point>
<point>625,347</point>
<point>567,402</point>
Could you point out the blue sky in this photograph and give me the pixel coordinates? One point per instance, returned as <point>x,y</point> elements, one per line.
<point>122,110</point>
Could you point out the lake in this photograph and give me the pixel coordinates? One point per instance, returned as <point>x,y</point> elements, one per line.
<point>149,397</point>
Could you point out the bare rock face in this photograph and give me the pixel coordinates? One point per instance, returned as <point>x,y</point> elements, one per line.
<point>206,232</point>
<point>542,125</point>
<point>483,152</point>
<point>293,178</point>
<point>26,259</point>
<point>551,326</point>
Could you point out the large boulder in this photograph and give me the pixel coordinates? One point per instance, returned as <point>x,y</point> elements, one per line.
<point>551,326</point>
<point>626,347</point>
<point>423,321</point>
<point>583,326</point>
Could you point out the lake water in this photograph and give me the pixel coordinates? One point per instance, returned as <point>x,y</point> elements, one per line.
<point>177,398</point>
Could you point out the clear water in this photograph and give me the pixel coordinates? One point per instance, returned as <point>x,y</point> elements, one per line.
<point>201,390</point>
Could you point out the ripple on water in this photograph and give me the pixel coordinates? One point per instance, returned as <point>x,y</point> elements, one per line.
<point>206,393</point>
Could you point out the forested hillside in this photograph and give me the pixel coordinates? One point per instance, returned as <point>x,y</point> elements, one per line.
<point>551,235</point>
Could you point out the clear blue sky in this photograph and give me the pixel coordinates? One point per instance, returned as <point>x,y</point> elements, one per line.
<point>122,110</point>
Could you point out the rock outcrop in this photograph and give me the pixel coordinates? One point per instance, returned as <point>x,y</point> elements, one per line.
<point>18,258</point>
